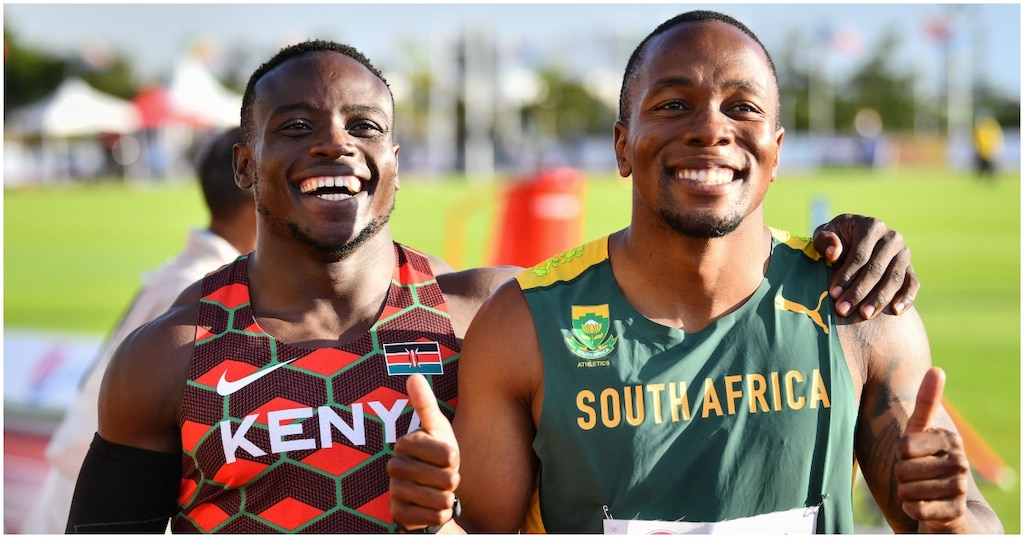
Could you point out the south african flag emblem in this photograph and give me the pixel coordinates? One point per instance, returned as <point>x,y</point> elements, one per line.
<point>591,332</point>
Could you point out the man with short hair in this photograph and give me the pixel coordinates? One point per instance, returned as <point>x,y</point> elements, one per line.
<point>687,373</point>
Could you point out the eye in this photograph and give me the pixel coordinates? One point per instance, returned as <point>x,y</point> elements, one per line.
<point>746,108</point>
<point>296,126</point>
<point>673,105</point>
<point>365,128</point>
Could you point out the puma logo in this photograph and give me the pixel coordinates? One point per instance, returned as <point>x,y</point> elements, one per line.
<point>781,303</point>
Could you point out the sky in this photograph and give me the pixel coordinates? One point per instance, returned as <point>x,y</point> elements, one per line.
<point>579,37</point>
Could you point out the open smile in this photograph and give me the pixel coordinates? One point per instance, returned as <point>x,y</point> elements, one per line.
<point>709,177</point>
<point>332,188</point>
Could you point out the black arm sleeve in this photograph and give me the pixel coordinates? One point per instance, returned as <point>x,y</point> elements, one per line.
<point>123,489</point>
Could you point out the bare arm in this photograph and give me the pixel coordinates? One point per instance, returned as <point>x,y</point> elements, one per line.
<point>908,448</point>
<point>142,388</point>
<point>500,393</point>
<point>131,473</point>
<point>499,397</point>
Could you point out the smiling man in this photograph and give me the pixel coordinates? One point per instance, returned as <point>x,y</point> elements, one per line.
<point>688,373</point>
<point>266,398</point>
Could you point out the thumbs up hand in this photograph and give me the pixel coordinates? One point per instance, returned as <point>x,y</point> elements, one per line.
<point>424,471</point>
<point>932,469</point>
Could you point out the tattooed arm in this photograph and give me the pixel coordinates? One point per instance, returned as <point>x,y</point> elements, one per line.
<point>909,450</point>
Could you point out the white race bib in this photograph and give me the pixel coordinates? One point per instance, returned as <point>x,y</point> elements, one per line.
<point>795,521</point>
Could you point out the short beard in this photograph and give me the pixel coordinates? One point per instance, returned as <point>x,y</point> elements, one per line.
<point>696,226</point>
<point>708,227</point>
<point>335,251</point>
<point>332,251</point>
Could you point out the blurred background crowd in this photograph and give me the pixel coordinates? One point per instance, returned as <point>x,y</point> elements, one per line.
<point>122,90</point>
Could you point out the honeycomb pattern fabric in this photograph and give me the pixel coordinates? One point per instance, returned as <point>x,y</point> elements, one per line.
<point>283,439</point>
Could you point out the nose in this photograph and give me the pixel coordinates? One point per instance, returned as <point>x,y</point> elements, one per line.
<point>333,143</point>
<point>709,127</point>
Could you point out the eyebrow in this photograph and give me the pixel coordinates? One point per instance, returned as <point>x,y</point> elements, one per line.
<point>306,105</point>
<point>363,108</point>
<point>739,84</point>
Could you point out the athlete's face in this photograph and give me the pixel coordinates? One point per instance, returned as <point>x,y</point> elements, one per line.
<point>702,143</point>
<point>323,163</point>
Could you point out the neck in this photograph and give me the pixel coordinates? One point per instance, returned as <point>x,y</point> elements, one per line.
<point>687,282</point>
<point>309,302</point>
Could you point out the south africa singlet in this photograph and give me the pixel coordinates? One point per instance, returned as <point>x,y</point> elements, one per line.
<point>277,438</point>
<point>751,415</point>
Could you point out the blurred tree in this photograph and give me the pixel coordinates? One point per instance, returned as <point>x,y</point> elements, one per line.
<point>876,84</point>
<point>568,111</point>
<point>880,85</point>
<point>239,63</point>
<point>29,74</point>
<point>794,82</point>
<point>1005,109</point>
<point>116,77</point>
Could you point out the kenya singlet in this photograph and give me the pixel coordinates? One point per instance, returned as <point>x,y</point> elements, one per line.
<point>752,415</point>
<point>281,439</point>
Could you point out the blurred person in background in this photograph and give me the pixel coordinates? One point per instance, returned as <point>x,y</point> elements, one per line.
<point>267,398</point>
<point>988,145</point>
<point>231,231</point>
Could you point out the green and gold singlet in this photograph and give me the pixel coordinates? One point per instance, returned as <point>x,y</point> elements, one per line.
<point>752,415</point>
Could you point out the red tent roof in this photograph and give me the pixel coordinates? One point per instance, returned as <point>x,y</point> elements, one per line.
<point>156,109</point>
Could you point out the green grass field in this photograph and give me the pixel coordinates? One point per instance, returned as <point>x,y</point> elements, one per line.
<point>73,255</point>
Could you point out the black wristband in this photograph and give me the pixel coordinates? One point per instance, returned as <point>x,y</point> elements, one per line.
<point>456,512</point>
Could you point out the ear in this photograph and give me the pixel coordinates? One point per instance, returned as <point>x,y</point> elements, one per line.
<point>779,135</point>
<point>620,137</point>
<point>242,162</point>
<point>397,147</point>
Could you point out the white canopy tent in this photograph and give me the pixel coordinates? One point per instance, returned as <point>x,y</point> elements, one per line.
<point>61,125</point>
<point>195,92</point>
<point>75,109</point>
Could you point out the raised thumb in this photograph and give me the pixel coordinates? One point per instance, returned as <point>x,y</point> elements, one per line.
<point>432,420</point>
<point>929,397</point>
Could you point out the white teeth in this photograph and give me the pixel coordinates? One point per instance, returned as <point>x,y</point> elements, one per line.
<point>708,176</point>
<point>349,182</point>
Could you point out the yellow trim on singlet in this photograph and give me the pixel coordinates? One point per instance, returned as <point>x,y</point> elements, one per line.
<point>795,242</point>
<point>565,266</point>
<point>571,263</point>
<point>534,523</point>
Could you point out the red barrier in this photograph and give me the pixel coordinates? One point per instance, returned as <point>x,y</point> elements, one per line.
<point>542,216</point>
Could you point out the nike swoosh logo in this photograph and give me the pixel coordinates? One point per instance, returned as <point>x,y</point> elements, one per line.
<point>225,387</point>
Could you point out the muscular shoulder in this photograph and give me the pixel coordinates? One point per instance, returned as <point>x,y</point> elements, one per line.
<point>466,290</point>
<point>503,333</point>
<point>142,387</point>
<point>887,356</point>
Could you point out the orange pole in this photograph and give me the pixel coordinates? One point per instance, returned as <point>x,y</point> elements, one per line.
<point>983,459</point>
